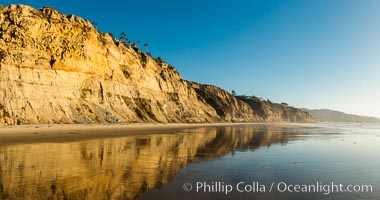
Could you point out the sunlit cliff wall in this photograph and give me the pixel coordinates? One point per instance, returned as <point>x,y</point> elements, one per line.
<point>59,69</point>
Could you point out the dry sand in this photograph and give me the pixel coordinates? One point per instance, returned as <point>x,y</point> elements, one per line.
<point>72,132</point>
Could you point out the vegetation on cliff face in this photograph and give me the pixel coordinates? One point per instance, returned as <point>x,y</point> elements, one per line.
<point>60,69</point>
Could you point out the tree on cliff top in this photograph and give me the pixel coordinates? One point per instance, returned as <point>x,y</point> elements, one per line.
<point>146,45</point>
<point>95,24</point>
<point>123,38</point>
<point>136,44</point>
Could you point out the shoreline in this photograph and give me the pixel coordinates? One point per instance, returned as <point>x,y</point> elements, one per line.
<point>56,133</point>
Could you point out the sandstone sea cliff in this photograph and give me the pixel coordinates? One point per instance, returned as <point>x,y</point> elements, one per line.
<point>56,68</point>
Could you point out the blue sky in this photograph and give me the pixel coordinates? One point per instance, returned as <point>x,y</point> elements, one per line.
<point>309,53</point>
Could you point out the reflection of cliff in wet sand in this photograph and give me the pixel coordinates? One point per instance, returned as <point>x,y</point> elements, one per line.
<point>120,168</point>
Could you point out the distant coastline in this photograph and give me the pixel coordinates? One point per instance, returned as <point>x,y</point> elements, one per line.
<point>326,115</point>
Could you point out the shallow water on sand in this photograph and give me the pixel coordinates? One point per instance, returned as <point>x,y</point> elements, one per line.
<point>209,161</point>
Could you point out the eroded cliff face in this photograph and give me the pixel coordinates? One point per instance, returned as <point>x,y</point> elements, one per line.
<point>227,106</point>
<point>251,109</point>
<point>60,69</point>
<point>273,112</point>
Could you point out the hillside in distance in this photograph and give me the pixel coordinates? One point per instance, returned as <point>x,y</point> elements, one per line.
<point>57,68</point>
<point>326,115</point>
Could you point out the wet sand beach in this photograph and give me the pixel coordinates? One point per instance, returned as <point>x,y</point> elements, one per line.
<point>72,132</point>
